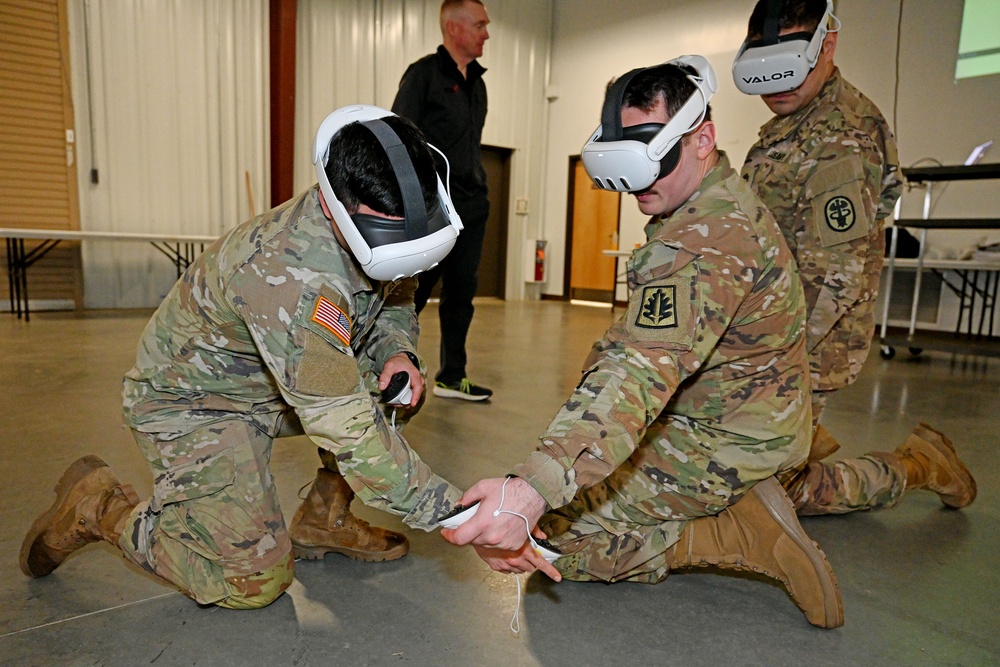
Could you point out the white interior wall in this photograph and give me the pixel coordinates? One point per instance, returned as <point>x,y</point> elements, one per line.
<point>593,42</point>
<point>175,97</point>
<point>179,96</point>
<point>364,46</point>
<point>938,117</point>
<point>171,102</point>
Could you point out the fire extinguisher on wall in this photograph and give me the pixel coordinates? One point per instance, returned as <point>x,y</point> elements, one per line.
<point>539,261</point>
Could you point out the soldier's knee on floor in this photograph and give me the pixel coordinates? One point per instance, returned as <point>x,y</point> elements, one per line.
<point>256,591</point>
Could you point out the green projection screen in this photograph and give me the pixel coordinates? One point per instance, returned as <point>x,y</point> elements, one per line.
<point>979,44</point>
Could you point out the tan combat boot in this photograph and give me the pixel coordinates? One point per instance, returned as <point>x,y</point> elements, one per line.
<point>91,505</point>
<point>823,444</point>
<point>931,463</point>
<point>324,524</point>
<point>760,533</point>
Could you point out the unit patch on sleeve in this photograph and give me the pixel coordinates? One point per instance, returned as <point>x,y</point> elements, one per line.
<point>664,302</point>
<point>839,213</point>
<point>658,307</point>
<point>328,315</point>
<point>838,207</point>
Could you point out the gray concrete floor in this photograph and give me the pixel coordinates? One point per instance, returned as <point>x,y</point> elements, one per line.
<point>919,583</point>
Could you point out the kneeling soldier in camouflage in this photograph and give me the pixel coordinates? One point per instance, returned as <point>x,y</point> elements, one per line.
<point>696,401</point>
<point>291,323</point>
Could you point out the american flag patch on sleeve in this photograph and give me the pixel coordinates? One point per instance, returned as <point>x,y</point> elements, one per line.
<point>333,318</point>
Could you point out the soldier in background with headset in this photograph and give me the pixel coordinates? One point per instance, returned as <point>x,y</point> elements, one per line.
<point>291,323</point>
<point>665,455</point>
<point>826,166</point>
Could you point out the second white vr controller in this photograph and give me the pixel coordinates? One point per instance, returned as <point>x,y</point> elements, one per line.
<point>461,514</point>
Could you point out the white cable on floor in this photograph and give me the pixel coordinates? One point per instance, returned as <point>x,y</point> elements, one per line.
<point>515,621</point>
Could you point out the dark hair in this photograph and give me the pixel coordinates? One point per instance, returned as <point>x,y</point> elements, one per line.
<point>360,172</point>
<point>805,14</point>
<point>667,81</point>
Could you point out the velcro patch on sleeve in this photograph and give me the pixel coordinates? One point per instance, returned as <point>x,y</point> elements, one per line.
<point>325,370</point>
<point>838,209</point>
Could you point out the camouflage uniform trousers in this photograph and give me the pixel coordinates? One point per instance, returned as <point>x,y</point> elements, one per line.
<point>625,527</point>
<point>873,481</point>
<point>604,542</point>
<point>213,526</point>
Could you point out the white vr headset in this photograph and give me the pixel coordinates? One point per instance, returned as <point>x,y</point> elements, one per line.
<point>774,64</point>
<point>389,249</point>
<point>633,158</point>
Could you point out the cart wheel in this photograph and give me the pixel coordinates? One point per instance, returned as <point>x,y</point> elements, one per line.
<point>915,351</point>
<point>887,352</point>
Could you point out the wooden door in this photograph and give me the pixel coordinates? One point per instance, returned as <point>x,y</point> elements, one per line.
<point>38,188</point>
<point>592,228</point>
<point>493,264</point>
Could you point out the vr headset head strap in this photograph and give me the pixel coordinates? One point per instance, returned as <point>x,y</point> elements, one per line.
<point>772,23</point>
<point>693,111</point>
<point>703,80</point>
<point>772,26</point>
<point>414,209</point>
<point>611,112</point>
<point>822,29</point>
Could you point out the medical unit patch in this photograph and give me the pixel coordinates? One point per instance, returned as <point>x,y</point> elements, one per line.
<point>333,318</point>
<point>839,213</point>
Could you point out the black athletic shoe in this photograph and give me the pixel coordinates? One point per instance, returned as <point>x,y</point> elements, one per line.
<point>464,390</point>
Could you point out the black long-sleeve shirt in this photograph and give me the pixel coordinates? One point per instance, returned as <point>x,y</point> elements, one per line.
<point>450,110</point>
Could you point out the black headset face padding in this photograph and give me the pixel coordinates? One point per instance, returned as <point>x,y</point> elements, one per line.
<point>378,231</point>
<point>790,37</point>
<point>645,132</point>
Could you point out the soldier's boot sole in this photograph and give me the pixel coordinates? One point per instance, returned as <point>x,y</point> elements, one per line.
<point>85,477</point>
<point>319,551</point>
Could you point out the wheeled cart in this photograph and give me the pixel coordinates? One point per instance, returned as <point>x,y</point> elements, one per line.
<point>974,281</point>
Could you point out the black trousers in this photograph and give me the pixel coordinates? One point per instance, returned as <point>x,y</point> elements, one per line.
<point>459,276</point>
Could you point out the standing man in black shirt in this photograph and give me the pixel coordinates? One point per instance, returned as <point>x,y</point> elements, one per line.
<point>445,96</point>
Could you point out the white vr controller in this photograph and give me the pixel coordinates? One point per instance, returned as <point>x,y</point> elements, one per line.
<point>398,391</point>
<point>461,514</point>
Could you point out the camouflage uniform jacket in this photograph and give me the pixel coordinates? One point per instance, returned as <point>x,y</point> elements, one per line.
<point>701,387</point>
<point>275,314</point>
<point>830,175</point>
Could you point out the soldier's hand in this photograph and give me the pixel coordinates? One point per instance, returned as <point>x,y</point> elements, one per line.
<point>494,526</point>
<point>401,362</point>
<point>525,559</point>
